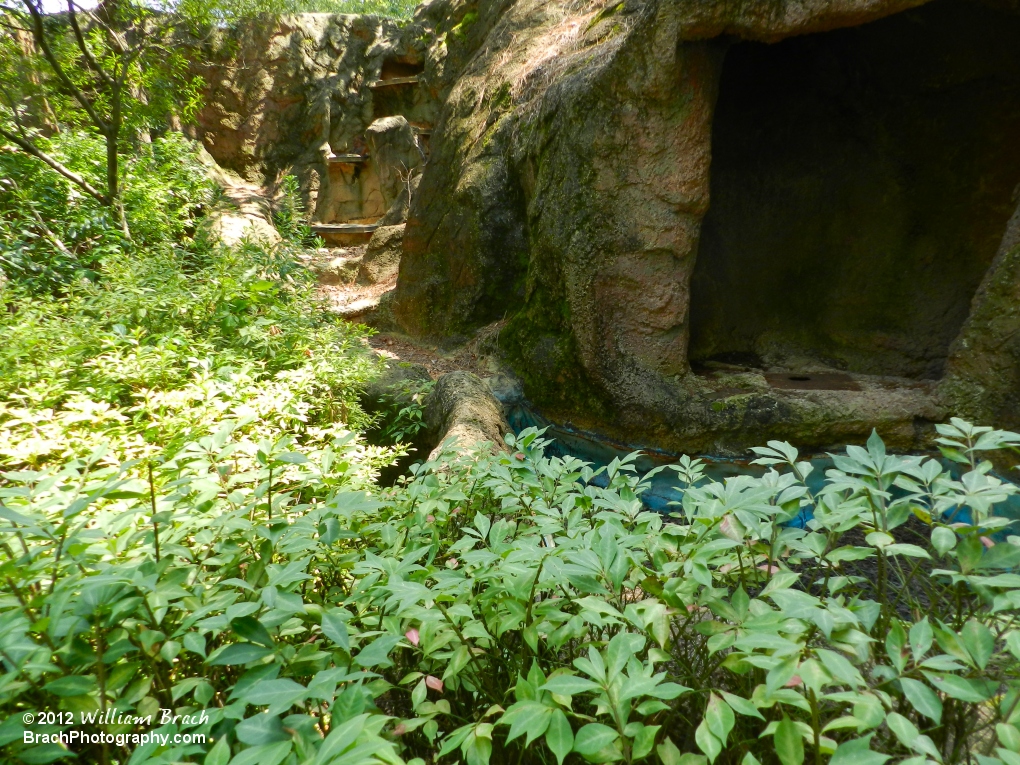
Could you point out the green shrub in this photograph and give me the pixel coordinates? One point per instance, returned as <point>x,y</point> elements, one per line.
<point>289,215</point>
<point>508,609</point>
<point>51,235</point>
<point>158,351</point>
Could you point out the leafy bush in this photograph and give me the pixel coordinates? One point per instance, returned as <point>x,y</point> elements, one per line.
<point>52,235</point>
<point>159,351</point>
<point>401,9</point>
<point>516,608</point>
<point>289,214</point>
<point>406,417</point>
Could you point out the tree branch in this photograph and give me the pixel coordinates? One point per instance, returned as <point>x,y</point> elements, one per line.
<point>80,38</point>
<point>72,176</point>
<point>40,37</point>
<point>55,241</point>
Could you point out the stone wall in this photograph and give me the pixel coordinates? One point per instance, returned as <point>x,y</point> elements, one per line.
<point>283,94</point>
<point>573,192</point>
<point>567,193</point>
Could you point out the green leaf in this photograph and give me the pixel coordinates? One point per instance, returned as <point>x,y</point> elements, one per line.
<point>876,447</point>
<point>219,754</point>
<point>720,718</point>
<point>237,653</point>
<point>788,742</point>
<point>592,738</point>
<point>921,638</point>
<point>377,652</point>
<point>620,649</point>
<point>252,630</point>
<point>195,643</point>
<point>922,698</point>
<point>707,742</point>
<point>1008,736</point>
<point>341,738</point>
<point>455,739</point>
<point>650,707</point>
<point>268,754</point>
<point>644,740</point>
<point>478,749</point>
<point>568,685</point>
<point>911,551</point>
<point>943,539</point>
<point>741,705</point>
<point>419,694</point>
<point>11,730</point>
<point>978,641</point>
<point>840,667</point>
<point>959,688</point>
<point>278,694</point>
<point>558,736</point>
<point>71,685</point>
<point>43,753</point>
<point>905,730</point>
<point>669,754</point>
<point>335,629</point>
<point>527,717</point>
<point>857,752</point>
<point>261,729</point>
<point>895,641</point>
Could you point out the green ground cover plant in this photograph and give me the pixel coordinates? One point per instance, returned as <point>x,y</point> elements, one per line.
<point>510,609</point>
<point>52,235</point>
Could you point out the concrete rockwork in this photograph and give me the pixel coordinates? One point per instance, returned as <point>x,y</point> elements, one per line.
<point>676,255</point>
<point>573,173</point>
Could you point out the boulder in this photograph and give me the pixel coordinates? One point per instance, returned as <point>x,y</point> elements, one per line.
<point>395,155</point>
<point>399,209</point>
<point>382,256</point>
<point>335,266</point>
<point>243,210</point>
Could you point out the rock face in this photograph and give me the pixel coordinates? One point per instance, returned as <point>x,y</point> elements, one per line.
<point>703,223</point>
<point>982,381</point>
<point>242,213</point>
<point>397,156</point>
<point>290,94</point>
<point>572,173</point>
<point>382,257</point>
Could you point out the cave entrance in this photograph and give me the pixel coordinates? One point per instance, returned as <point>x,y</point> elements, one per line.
<point>861,182</point>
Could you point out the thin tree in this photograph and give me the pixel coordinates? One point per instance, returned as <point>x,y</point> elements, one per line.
<point>97,61</point>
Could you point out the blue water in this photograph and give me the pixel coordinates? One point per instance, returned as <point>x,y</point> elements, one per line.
<point>663,491</point>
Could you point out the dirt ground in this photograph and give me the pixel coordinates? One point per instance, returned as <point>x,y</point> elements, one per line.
<point>344,298</point>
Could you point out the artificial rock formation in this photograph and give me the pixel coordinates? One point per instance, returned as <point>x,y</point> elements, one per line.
<point>700,224</point>
<point>461,411</point>
<point>572,176</point>
<point>982,381</point>
<point>288,94</point>
<point>382,256</point>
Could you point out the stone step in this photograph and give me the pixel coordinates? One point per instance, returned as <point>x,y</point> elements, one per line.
<point>413,80</point>
<point>345,233</point>
<point>345,159</point>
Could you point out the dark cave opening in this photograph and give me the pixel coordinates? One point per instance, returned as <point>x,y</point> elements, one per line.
<point>861,181</point>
